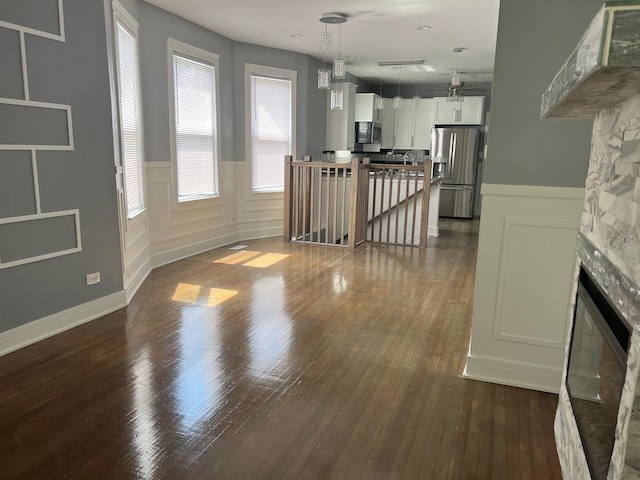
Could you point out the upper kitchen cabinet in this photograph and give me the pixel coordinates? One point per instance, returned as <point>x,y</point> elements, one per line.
<point>388,116</point>
<point>413,124</point>
<point>468,112</point>
<point>341,123</point>
<point>366,108</point>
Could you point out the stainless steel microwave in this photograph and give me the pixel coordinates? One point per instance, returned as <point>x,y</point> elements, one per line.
<point>368,132</point>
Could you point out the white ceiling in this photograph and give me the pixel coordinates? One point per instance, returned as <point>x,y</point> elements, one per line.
<point>376,30</point>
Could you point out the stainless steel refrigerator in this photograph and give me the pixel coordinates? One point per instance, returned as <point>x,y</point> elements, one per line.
<point>454,152</point>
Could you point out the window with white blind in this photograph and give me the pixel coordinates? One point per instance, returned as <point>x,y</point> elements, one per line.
<point>271,129</point>
<point>195,124</point>
<point>129,108</point>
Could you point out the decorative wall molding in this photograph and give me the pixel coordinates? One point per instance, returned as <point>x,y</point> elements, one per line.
<point>59,36</point>
<point>526,251</point>
<point>37,330</point>
<point>45,256</point>
<point>556,232</point>
<point>515,374</point>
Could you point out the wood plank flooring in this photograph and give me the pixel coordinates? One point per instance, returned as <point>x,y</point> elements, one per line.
<point>279,361</point>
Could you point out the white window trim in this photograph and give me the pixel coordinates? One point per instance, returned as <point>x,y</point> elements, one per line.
<point>262,70</point>
<point>175,46</point>
<point>122,15</point>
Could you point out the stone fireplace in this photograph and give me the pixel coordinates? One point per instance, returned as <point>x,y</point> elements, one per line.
<point>602,79</point>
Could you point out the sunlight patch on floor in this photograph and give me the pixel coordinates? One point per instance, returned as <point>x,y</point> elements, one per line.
<point>239,257</point>
<point>187,293</point>
<point>266,260</point>
<point>219,295</point>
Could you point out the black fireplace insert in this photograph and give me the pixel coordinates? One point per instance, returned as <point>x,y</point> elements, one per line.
<point>596,371</point>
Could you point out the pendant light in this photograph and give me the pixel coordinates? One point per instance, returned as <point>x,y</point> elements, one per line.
<point>379,103</point>
<point>397,100</point>
<point>455,84</point>
<point>339,70</point>
<point>416,98</point>
<point>339,65</point>
<point>324,74</point>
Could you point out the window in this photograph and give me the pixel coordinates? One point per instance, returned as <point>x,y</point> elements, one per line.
<point>271,129</point>
<point>195,129</point>
<point>129,108</point>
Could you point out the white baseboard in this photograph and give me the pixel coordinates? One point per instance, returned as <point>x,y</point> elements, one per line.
<point>37,330</point>
<point>169,256</point>
<point>137,280</point>
<point>515,374</point>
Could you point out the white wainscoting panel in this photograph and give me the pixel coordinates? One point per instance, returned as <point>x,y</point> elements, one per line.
<point>526,257</point>
<point>179,231</point>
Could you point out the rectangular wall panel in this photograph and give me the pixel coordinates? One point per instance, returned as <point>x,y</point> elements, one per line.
<point>27,125</point>
<point>33,16</point>
<point>38,237</point>
<point>11,85</point>
<point>17,193</point>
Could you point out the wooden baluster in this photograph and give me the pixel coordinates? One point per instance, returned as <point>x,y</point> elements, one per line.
<point>288,198</point>
<point>426,194</point>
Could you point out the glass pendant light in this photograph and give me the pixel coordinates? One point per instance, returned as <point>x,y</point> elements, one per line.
<point>324,74</point>
<point>339,65</point>
<point>379,102</point>
<point>336,99</point>
<point>416,97</point>
<point>324,78</point>
<point>455,85</point>
<point>397,100</point>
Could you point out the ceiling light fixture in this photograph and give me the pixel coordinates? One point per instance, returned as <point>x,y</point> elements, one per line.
<point>423,28</point>
<point>397,100</point>
<point>296,35</point>
<point>395,63</point>
<point>455,84</point>
<point>324,74</point>
<point>379,102</point>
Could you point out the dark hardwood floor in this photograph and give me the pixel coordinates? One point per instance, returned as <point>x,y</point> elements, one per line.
<point>279,361</point>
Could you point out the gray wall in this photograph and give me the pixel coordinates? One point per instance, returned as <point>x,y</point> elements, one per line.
<point>534,40</point>
<point>73,73</point>
<point>156,26</point>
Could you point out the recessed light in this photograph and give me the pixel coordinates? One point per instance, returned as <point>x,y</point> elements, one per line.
<point>424,28</point>
<point>296,35</point>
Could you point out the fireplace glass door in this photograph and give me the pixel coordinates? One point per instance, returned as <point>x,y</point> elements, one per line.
<point>596,372</point>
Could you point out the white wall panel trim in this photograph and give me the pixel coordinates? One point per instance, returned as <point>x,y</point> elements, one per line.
<point>40,329</point>
<point>506,276</point>
<point>515,374</point>
<point>60,36</point>
<point>533,191</point>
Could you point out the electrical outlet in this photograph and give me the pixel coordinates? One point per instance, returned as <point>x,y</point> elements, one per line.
<point>93,278</point>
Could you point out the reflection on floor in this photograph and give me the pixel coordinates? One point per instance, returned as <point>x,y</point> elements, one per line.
<point>322,362</point>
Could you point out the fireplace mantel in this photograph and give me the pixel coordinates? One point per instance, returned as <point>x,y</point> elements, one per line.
<point>603,70</point>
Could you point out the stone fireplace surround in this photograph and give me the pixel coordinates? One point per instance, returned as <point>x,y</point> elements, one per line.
<point>602,78</point>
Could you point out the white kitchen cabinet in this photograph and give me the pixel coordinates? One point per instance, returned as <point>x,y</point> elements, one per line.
<point>366,108</point>
<point>388,117</point>
<point>413,125</point>
<point>341,123</point>
<point>468,112</point>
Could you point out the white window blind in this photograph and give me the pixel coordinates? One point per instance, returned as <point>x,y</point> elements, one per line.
<point>130,131</point>
<point>271,131</point>
<point>195,128</point>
